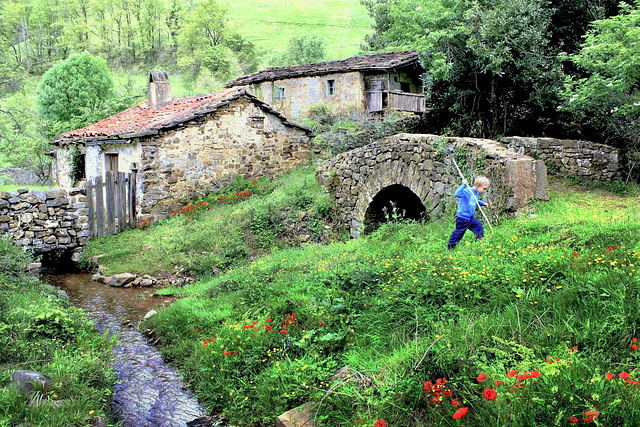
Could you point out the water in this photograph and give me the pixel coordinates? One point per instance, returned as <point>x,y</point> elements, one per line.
<point>148,392</point>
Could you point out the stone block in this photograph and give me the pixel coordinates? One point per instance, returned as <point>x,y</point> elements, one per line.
<point>297,417</point>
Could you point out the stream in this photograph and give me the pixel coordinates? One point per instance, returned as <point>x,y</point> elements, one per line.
<point>148,392</point>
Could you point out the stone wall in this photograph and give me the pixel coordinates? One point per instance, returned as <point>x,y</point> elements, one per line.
<point>422,164</point>
<point>568,157</point>
<point>301,93</point>
<point>239,139</point>
<point>46,220</point>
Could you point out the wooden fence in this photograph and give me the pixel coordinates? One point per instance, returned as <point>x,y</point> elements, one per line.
<point>111,203</point>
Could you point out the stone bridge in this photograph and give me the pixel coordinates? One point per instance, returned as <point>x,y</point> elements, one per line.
<point>413,176</point>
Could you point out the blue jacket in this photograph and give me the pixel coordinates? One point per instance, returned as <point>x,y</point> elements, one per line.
<point>467,203</point>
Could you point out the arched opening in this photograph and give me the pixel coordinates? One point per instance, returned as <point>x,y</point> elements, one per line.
<point>393,203</point>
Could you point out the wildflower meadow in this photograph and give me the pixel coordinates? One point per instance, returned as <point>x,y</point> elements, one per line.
<point>535,325</point>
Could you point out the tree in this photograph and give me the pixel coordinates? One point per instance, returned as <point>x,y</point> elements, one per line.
<point>489,68</point>
<point>302,50</point>
<point>75,92</point>
<point>605,100</point>
<point>203,28</point>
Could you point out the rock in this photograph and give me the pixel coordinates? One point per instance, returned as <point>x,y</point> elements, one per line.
<point>119,280</point>
<point>27,381</point>
<point>146,283</point>
<point>33,268</point>
<point>149,314</point>
<point>297,417</point>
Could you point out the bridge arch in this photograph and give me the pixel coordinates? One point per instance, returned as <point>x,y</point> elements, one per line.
<point>393,202</point>
<point>415,172</point>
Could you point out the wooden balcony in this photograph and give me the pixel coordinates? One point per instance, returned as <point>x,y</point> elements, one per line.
<point>395,100</point>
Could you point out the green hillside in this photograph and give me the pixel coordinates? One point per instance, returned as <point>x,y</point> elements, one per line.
<point>269,24</point>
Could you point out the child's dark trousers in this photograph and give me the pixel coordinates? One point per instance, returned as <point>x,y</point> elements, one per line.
<point>462,225</point>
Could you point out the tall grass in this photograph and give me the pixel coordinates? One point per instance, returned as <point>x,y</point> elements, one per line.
<point>39,331</point>
<point>552,294</point>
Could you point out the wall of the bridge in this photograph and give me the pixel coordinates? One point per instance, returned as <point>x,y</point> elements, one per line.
<point>45,221</point>
<point>421,164</point>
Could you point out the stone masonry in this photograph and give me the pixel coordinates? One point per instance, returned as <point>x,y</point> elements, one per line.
<point>45,220</point>
<point>238,139</point>
<point>569,158</point>
<point>422,164</point>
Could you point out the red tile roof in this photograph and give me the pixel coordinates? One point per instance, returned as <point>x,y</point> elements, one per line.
<point>364,63</point>
<point>140,120</point>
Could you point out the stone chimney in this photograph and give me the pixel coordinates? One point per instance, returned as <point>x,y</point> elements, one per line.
<point>159,89</point>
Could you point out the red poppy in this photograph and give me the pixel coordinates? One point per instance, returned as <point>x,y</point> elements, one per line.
<point>454,402</point>
<point>609,249</point>
<point>481,377</point>
<point>321,324</point>
<point>576,254</point>
<point>632,339</point>
<point>447,393</point>
<point>268,319</point>
<point>609,376</point>
<point>497,383</point>
<point>267,328</point>
<point>590,415</point>
<point>549,361</point>
<point>575,348</point>
<point>427,386</point>
<point>197,330</point>
<point>633,346</point>
<point>624,375</point>
<point>535,374</point>
<point>441,381</point>
<point>490,394</point>
<point>460,413</point>
<point>617,247</point>
<point>573,420</point>
<point>380,423</point>
<point>521,377</point>
<point>512,373</point>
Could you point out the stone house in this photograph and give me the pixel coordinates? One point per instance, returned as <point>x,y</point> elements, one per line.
<point>181,147</point>
<point>368,83</point>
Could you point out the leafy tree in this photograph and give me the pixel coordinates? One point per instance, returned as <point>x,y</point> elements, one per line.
<point>606,99</point>
<point>74,93</point>
<point>202,28</point>
<point>302,50</point>
<point>22,139</point>
<point>489,69</point>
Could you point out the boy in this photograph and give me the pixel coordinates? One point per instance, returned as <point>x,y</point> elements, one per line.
<point>469,199</point>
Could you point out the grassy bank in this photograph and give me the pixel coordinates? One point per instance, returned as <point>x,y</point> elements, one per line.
<point>39,331</point>
<point>552,294</point>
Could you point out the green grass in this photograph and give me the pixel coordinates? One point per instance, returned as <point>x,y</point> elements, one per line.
<point>12,187</point>
<point>397,310</point>
<point>270,24</point>
<point>39,331</point>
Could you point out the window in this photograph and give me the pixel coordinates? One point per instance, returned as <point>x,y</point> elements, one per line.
<point>331,87</point>
<point>111,162</point>
<point>279,93</point>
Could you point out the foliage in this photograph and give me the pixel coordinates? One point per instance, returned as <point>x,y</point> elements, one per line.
<point>22,139</point>
<point>244,220</point>
<point>395,311</point>
<point>73,93</point>
<point>607,100</point>
<point>40,331</point>
<point>345,129</point>
<point>302,50</point>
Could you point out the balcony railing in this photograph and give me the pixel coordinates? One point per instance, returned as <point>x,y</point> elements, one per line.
<point>396,100</point>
